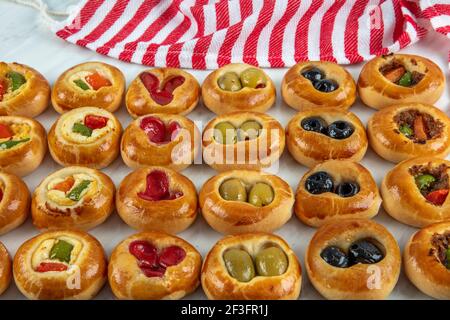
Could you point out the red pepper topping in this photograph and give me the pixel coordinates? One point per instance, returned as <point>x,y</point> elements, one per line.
<point>171,256</point>
<point>5,132</point>
<point>161,96</point>
<point>51,266</point>
<point>1,194</point>
<point>157,131</point>
<point>95,122</point>
<point>65,185</point>
<point>437,197</point>
<point>97,81</point>
<point>144,251</point>
<point>149,80</point>
<point>3,88</point>
<point>158,188</point>
<point>173,83</point>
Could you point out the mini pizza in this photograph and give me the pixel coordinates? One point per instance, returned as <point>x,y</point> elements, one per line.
<point>400,78</point>
<point>73,197</point>
<point>241,201</point>
<point>23,144</point>
<point>85,136</point>
<point>353,259</point>
<point>23,91</point>
<point>14,202</point>
<point>238,87</point>
<point>314,84</point>
<point>89,84</point>
<point>60,265</point>
<point>251,266</point>
<point>242,140</point>
<point>157,199</point>
<point>427,260</point>
<point>336,190</point>
<point>321,134</point>
<point>5,269</point>
<point>153,266</point>
<point>415,192</point>
<point>162,90</point>
<point>410,130</point>
<point>160,140</point>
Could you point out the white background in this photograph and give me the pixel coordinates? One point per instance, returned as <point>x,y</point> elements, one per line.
<point>26,39</point>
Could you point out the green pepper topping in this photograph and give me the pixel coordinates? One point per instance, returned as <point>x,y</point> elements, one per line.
<point>12,143</point>
<point>424,181</point>
<point>405,80</point>
<point>81,84</point>
<point>82,129</point>
<point>75,193</point>
<point>406,130</point>
<point>61,251</point>
<point>17,79</point>
<point>447,255</point>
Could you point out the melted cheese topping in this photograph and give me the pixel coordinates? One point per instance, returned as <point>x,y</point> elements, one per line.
<point>68,134</point>
<point>42,253</point>
<point>60,198</point>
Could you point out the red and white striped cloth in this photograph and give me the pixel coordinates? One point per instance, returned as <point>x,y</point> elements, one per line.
<point>206,34</point>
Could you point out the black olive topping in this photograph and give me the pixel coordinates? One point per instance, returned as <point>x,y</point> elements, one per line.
<point>313,74</point>
<point>361,251</point>
<point>347,189</point>
<point>319,182</point>
<point>335,256</point>
<point>340,130</point>
<point>325,85</point>
<point>315,124</point>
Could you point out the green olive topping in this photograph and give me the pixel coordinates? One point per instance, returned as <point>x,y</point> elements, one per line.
<point>424,181</point>
<point>233,190</point>
<point>225,133</point>
<point>253,78</point>
<point>261,194</point>
<point>230,82</point>
<point>239,265</point>
<point>271,261</point>
<point>249,130</point>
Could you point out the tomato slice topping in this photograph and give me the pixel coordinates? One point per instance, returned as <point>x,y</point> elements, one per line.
<point>51,266</point>
<point>437,197</point>
<point>97,81</point>
<point>5,131</point>
<point>95,122</point>
<point>65,185</point>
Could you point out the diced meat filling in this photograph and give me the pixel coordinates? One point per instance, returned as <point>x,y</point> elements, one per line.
<point>397,73</point>
<point>440,247</point>
<point>418,126</point>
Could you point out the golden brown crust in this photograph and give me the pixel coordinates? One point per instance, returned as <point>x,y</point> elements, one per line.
<point>389,143</point>
<point>5,269</point>
<point>254,154</point>
<point>423,269</point>
<point>97,153</point>
<point>300,94</point>
<point>185,97</point>
<point>138,151</point>
<point>247,99</point>
<point>53,285</point>
<point>233,217</point>
<point>67,96</point>
<point>376,91</point>
<point>25,157</point>
<point>358,281</point>
<point>14,204</point>
<point>310,148</point>
<point>128,282</point>
<point>402,198</point>
<point>172,216</point>
<point>93,209</point>
<point>32,99</point>
<point>219,285</point>
<point>317,209</point>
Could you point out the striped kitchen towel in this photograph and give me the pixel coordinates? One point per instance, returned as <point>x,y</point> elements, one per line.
<point>206,34</point>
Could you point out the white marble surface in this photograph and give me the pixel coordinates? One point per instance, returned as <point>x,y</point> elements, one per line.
<point>25,38</point>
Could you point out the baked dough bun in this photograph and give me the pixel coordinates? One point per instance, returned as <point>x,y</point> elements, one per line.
<point>402,198</point>
<point>171,282</point>
<point>14,202</point>
<point>104,89</point>
<point>73,197</point>
<point>177,151</point>
<point>253,154</point>
<point>377,91</point>
<point>175,92</point>
<point>317,209</point>
<point>23,91</point>
<point>70,143</point>
<point>5,269</point>
<point>41,270</point>
<point>390,143</point>
<point>23,145</point>
<point>222,101</point>
<point>359,281</point>
<point>299,92</point>
<point>218,284</point>
<point>233,217</point>
<point>310,148</point>
<point>157,199</point>
<point>423,264</point>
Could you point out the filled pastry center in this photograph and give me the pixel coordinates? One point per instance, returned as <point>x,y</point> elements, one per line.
<point>56,255</point>
<point>158,188</point>
<point>154,262</point>
<point>432,182</point>
<point>319,79</point>
<point>259,194</point>
<point>12,135</point>
<point>226,133</point>
<point>90,80</point>
<point>440,248</point>
<point>70,190</point>
<point>249,78</point>
<point>396,72</point>
<point>11,84</point>
<point>366,251</point>
<point>418,126</point>
<point>321,182</point>
<point>270,261</point>
<point>161,93</point>
<point>158,132</point>
<point>337,130</point>
<point>85,128</point>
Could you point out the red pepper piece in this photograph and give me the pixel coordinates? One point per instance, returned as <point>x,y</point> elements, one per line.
<point>95,122</point>
<point>1,194</point>
<point>161,97</point>
<point>97,81</point>
<point>173,83</point>
<point>171,256</point>
<point>157,186</point>
<point>65,185</point>
<point>51,266</point>
<point>150,81</point>
<point>154,128</point>
<point>437,197</point>
<point>3,88</point>
<point>172,130</point>
<point>145,251</point>
<point>5,132</point>
<point>157,271</point>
